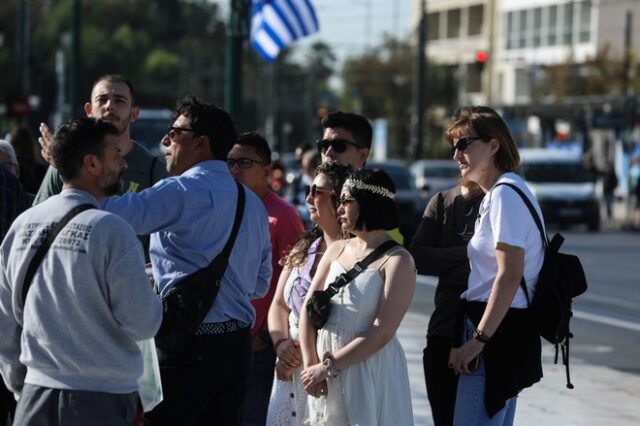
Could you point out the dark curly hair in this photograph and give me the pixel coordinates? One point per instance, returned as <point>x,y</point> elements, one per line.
<point>336,173</point>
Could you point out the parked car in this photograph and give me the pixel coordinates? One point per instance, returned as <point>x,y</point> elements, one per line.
<point>432,176</point>
<point>149,129</point>
<point>562,186</point>
<point>410,204</point>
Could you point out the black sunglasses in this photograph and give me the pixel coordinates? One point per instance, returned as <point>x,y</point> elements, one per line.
<point>338,145</point>
<point>345,200</point>
<point>314,189</point>
<point>243,163</point>
<point>173,129</point>
<point>463,143</point>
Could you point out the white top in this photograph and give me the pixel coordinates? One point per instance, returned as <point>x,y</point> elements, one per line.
<point>504,218</point>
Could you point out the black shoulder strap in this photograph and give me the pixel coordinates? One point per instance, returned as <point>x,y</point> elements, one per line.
<point>348,276</point>
<point>153,164</point>
<point>44,247</point>
<point>532,210</point>
<point>226,251</point>
<point>536,218</point>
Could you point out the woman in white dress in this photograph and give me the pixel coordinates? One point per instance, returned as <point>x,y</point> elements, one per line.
<point>355,361</point>
<point>288,403</point>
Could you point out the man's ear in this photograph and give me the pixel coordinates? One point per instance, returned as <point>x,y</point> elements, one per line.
<point>92,164</point>
<point>135,110</point>
<point>88,109</point>
<point>203,145</point>
<point>363,155</point>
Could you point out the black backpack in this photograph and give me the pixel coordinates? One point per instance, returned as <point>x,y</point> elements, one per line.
<point>561,279</point>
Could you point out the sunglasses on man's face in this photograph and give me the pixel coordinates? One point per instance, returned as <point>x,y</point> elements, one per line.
<point>338,145</point>
<point>314,190</point>
<point>463,143</point>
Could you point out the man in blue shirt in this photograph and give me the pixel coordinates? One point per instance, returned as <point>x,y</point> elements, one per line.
<point>190,216</point>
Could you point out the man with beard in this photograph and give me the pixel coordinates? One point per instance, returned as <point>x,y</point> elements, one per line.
<point>113,101</point>
<point>68,346</point>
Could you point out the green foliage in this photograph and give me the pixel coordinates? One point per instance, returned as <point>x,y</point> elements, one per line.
<point>380,84</point>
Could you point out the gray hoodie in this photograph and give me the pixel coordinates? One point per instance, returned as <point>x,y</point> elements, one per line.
<point>89,302</point>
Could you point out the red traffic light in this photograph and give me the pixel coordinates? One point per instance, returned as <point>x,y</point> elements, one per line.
<point>481,56</point>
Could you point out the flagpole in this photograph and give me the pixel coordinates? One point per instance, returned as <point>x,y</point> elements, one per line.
<point>233,61</point>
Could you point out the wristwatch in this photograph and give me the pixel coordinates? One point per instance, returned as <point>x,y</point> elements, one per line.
<point>328,361</point>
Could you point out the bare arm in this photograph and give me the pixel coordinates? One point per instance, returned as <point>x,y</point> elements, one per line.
<point>287,350</point>
<point>510,261</point>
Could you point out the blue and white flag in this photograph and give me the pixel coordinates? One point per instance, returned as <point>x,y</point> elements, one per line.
<point>278,23</point>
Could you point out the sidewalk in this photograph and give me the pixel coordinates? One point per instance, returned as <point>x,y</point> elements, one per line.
<point>601,396</point>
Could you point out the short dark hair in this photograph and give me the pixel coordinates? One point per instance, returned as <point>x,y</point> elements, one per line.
<point>376,211</point>
<point>117,78</point>
<point>488,124</point>
<point>75,139</point>
<point>356,124</point>
<point>211,121</point>
<point>258,143</point>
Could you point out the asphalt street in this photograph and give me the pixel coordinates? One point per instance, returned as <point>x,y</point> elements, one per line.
<point>604,351</point>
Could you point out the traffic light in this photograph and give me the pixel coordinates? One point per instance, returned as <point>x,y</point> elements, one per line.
<point>481,59</point>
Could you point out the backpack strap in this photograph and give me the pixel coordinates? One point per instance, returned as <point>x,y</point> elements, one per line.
<point>347,277</point>
<point>36,260</point>
<point>153,163</point>
<point>537,220</point>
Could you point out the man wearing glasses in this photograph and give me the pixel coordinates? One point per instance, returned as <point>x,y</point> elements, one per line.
<point>346,139</point>
<point>249,161</point>
<point>191,215</point>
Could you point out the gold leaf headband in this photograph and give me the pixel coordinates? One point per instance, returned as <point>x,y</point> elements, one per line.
<point>378,190</point>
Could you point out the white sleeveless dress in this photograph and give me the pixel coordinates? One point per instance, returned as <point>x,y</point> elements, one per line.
<point>375,391</point>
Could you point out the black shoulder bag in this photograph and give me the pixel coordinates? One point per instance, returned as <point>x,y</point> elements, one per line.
<point>188,301</point>
<point>44,247</point>
<point>319,303</point>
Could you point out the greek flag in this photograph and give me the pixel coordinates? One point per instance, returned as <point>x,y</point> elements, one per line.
<point>277,23</point>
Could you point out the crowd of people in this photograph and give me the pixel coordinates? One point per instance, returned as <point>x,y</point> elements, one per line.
<point>75,299</point>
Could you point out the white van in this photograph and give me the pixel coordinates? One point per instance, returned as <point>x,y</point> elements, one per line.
<point>562,186</point>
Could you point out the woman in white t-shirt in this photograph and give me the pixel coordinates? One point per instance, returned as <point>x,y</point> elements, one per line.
<point>501,351</point>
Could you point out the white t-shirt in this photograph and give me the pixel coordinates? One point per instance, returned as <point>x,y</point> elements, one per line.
<point>504,218</point>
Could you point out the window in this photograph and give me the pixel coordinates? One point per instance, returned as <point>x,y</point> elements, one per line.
<point>509,33</point>
<point>522,84</point>
<point>537,26</point>
<point>567,37</point>
<point>553,25</point>
<point>476,17</point>
<point>433,25</point>
<point>453,23</point>
<point>585,22</point>
<point>523,29</point>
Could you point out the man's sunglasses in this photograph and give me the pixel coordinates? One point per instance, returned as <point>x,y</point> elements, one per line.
<point>243,163</point>
<point>173,130</point>
<point>314,189</point>
<point>463,143</point>
<point>338,145</point>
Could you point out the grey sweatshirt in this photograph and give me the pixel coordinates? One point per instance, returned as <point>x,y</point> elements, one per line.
<point>89,302</point>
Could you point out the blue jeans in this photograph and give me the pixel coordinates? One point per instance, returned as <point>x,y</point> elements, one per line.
<point>470,408</point>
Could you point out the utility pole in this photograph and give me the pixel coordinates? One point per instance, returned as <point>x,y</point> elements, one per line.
<point>488,77</point>
<point>233,60</point>
<point>76,60</point>
<point>419,102</point>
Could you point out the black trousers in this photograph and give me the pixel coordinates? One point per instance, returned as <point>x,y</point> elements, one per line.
<point>206,384</point>
<point>442,382</point>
